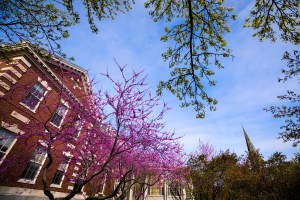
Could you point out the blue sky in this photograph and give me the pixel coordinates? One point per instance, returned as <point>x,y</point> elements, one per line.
<point>246,85</point>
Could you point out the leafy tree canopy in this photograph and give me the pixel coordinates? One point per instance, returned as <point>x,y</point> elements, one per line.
<point>194,30</point>
<point>45,23</point>
<point>291,112</point>
<point>227,176</point>
<point>197,29</point>
<point>267,16</point>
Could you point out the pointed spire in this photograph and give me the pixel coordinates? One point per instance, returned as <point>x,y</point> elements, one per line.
<point>254,157</point>
<point>250,145</point>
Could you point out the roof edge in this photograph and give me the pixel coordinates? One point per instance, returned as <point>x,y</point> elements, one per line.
<point>43,54</point>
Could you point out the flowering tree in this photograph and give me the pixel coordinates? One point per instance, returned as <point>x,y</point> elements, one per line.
<point>138,136</point>
<point>113,135</point>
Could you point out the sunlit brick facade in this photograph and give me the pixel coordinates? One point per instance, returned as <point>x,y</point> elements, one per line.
<point>26,79</point>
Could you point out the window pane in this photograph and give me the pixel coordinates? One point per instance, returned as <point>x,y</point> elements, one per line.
<point>56,119</point>
<point>59,114</point>
<point>64,164</point>
<point>77,128</point>
<point>156,190</point>
<point>61,110</point>
<point>6,139</point>
<point>34,96</point>
<point>30,171</point>
<point>58,177</point>
<point>31,101</point>
<point>35,163</point>
<point>38,155</point>
<point>174,190</point>
<point>77,124</point>
<point>38,90</point>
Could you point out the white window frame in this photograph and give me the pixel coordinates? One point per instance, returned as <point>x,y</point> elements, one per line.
<point>78,128</point>
<point>103,185</point>
<point>22,180</point>
<point>64,103</point>
<point>68,156</point>
<point>11,145</point>
<point>47,89</point>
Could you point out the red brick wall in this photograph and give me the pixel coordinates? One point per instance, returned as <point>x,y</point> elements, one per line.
<point>13,165</point>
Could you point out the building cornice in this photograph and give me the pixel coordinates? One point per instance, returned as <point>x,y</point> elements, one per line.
<point>28,50</point>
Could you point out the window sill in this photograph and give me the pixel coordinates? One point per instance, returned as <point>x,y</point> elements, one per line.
<point>55,186</point>
<point>100,194</point>
<point>58,127</point>
<point>26,181</point>
<point>33,111</point>
<point>70,187</point>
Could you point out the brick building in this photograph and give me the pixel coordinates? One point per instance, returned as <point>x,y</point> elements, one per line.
<point>34,89</point>
<point>39,95</point>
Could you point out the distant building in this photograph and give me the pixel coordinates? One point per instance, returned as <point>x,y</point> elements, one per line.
<point>250,146</point>
<point>254,156</point>
<point>159,191</point>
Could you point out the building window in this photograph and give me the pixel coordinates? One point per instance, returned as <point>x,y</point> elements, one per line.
<point>59,115</point>
<point>58,177</point>
<point>78,127</point>
<point>156,190</point>
<point>35,164</point>
<point>34,96</point>
<point>174,190</point>
<point>7,138</point>
<point>59,174</point>
<point>102,185</point>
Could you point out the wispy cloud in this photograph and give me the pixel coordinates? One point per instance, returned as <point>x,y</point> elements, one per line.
<point>246,85</point>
